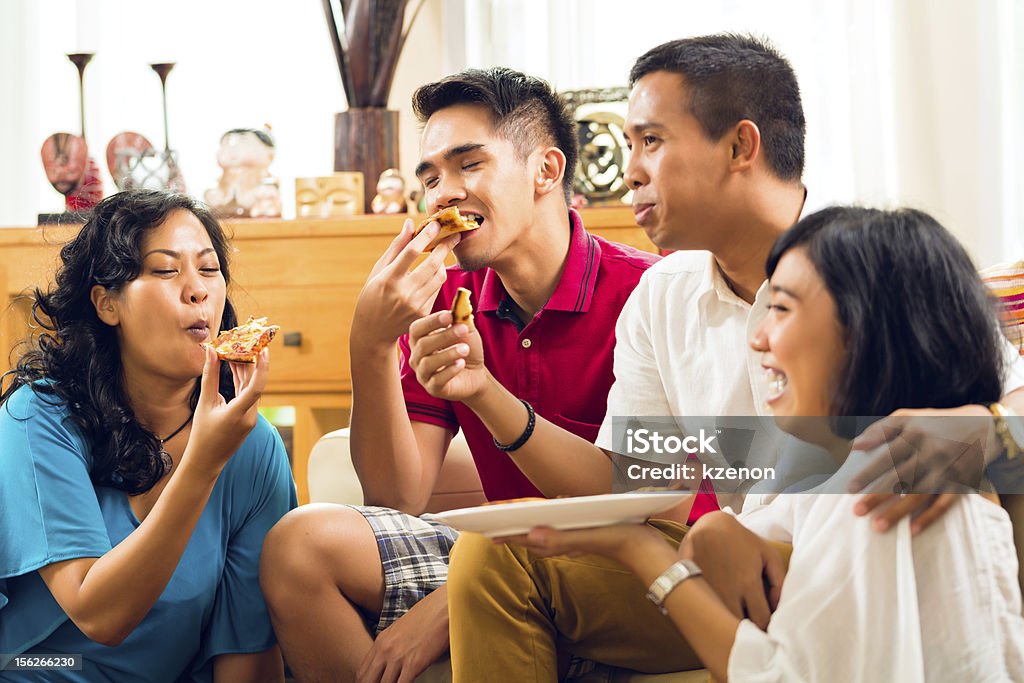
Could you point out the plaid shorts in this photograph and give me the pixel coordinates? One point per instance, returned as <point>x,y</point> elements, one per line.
<point>414,553</point>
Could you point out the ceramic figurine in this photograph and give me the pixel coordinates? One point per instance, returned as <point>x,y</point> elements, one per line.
<point>390,196</point>
<point>330,196</point>
<point>245,188</point>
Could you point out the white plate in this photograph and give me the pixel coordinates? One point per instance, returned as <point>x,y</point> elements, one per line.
<point>509,519</point>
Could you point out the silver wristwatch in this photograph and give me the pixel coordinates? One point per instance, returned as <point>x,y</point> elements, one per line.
<point>669,580</point>
<point>1009,429</point>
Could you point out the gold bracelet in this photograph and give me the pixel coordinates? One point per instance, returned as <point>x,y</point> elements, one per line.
<point>1000,413</point>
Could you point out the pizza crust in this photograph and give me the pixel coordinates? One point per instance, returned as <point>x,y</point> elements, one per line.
<point>462,309</point>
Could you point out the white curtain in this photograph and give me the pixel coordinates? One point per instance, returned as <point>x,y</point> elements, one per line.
<point>908,102</point>
<point>20,106</point>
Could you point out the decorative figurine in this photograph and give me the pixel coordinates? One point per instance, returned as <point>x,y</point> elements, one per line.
<point>418,199</point>
<point>268,200</point>
<point>134,162</point>
<point>246,188</point>
<point>64,159</point>
<point>390,196</point>
<point>330,196</point>
<point>90,192</point>
<point>69,168</point>
<point>175,180</point>
<point>603,155</point>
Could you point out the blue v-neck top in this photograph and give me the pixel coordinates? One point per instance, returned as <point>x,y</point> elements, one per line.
<point>50,511</point>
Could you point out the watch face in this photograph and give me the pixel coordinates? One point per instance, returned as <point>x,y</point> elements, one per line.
<point>669,580</point>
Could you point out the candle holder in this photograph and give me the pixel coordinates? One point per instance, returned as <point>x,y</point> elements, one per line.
<point>134,161</point>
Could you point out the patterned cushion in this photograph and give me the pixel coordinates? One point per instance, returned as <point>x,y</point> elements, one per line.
<point>1007,283</point>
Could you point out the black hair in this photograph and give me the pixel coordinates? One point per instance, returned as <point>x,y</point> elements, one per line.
<point>731,78</point>
<point>76,358</point>
<point>261,134</point>
<point>524,110</point>
<point>921,327</point>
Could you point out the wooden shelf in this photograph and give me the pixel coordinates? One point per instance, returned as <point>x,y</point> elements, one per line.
<point>304,274</point>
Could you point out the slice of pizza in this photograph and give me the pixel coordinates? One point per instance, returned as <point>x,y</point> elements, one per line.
<point>462,310</point>
<point>528,499</point>
<point>244,343</point>
<point>451,222</point>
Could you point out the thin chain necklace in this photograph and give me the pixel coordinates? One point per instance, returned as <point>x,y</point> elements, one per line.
<point>164,455</point>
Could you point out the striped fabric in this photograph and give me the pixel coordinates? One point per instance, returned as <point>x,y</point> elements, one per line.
<point>1007,282</point>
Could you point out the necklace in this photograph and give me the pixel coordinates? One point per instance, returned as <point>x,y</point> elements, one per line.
<point>164,455</point>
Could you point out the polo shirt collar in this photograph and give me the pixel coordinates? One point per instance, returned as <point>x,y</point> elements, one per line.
<point>575,289</point>
<point>492,292</point>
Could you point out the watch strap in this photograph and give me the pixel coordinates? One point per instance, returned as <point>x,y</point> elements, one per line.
<point>670,580</point>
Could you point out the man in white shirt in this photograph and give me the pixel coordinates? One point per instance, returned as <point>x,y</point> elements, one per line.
<point>716,128</point>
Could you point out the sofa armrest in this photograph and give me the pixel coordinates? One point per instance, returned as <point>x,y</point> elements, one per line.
<point>333,479</point>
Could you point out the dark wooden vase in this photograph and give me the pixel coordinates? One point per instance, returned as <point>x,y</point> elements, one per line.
<point>366,140</point>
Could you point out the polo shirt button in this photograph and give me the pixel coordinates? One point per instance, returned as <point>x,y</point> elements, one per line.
<point>527,343</point>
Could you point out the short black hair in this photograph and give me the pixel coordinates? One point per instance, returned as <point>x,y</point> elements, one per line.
<point>921,327</point>
<point>731,78</point>
<point>525,110</point>
<point>262,134</point>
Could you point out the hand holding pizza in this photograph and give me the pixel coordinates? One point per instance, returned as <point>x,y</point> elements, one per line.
<point>394,295</point>
<point>447,354</point>
<point>220,426</point>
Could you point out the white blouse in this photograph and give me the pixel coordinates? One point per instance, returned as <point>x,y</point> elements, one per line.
<point>859,605</point>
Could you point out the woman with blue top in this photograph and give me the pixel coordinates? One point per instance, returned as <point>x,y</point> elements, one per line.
<point>137,481</point>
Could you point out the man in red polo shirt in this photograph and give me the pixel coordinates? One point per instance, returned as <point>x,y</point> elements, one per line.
<point>353,590</point>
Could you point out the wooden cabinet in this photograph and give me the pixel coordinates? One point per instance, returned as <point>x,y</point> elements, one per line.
<point>303,274</point>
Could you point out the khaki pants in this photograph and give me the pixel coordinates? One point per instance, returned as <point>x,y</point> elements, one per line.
<point>513,612</point>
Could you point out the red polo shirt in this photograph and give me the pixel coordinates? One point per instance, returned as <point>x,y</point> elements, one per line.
<point>561,361</point>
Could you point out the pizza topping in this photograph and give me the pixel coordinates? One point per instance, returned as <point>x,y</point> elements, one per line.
<point>244,343</point>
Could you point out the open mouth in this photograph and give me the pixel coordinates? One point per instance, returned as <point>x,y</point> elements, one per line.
<point>471,217</point>
<point>777,382</point>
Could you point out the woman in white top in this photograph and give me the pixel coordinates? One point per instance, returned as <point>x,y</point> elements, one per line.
<point>870,311</point>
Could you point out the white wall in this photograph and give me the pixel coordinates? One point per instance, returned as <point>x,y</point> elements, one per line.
<point>240,63</point>
<point>908,101</point>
